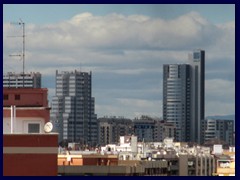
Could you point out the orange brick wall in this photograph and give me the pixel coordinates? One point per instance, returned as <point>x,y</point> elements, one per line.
<point>30,140</point>
<point>30,164</point>
<point>73,162</point>
<point>28,97</point>
<point>94,161</point>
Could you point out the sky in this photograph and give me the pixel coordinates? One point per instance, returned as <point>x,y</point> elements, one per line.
<point>125,47</point>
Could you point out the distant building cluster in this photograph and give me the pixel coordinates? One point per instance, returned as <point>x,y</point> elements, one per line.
<point>150,129</point>
<point>146,128</point>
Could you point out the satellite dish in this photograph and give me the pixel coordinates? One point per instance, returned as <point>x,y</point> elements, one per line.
<point>48,127</point>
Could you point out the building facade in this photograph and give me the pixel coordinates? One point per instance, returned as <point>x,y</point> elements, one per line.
<point>29,80</point>
<point>225,163</point>
<point>222,130</point>
<point>144,128</point>
<point>176,98</point>
<point>149,129</point>
<point>163,130</point>
<point>183,97</point>
<point>30,154</point>
<point>73,113</point>
<point>111,128</point>
<point>27,149</point>
<point>31,110</point>
<point>197,63</point>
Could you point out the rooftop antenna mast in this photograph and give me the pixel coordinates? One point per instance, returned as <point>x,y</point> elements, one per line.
<point>21,23</point>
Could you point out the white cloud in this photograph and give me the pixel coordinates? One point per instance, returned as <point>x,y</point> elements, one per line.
<point>122,32</point>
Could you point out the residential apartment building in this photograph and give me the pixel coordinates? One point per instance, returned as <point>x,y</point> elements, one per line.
<point>225,162</point>
<point>222,130</point>
<point>29,80</point>
<point>27,149</point>
<point>111,128</point>
<point>183,96</point>
<point>73,108</point>
<point>163,130</point>
<point>28,107</point>
<point>150,129</point>
<point>144,128</point>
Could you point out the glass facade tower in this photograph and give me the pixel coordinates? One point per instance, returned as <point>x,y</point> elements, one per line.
<point>183,97</point>
<point>176,98</point>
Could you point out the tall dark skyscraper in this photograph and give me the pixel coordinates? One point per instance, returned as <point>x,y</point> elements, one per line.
<point>72,111</point>
<point>183,96</point>
<point>197,63</point>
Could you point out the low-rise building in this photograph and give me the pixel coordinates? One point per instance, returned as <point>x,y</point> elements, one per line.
<point>27,149</point>
<point>25,109</point>
<point>107,165</point>
<point>225,161</point>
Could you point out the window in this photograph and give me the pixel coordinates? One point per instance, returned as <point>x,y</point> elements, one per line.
<point>33,128</point>
<point>17,96</point>
<point>5,97</point>
<point>196,55</point>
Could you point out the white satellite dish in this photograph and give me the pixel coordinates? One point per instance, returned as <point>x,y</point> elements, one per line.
<point>48,127</point>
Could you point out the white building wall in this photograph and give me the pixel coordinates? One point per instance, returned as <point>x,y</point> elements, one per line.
<point>21,124</point>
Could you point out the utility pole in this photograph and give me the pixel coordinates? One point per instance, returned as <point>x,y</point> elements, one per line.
<point>21,23</point>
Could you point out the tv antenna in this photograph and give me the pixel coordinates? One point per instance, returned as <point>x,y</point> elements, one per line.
<point>21,23</point>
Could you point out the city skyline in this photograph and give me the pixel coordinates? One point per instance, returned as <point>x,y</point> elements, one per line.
<point>125,47</point>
